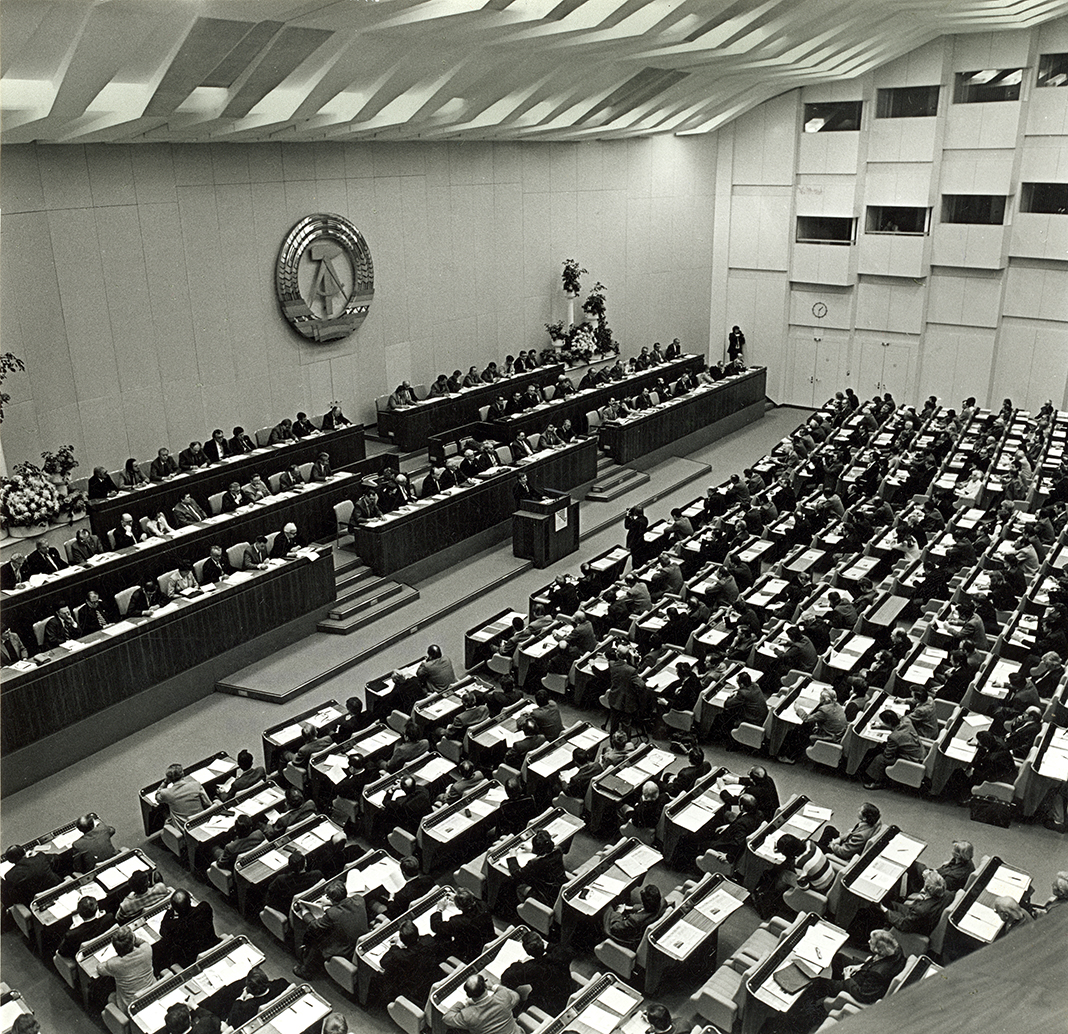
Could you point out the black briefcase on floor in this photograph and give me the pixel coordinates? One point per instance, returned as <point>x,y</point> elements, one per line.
<point>992,810</point>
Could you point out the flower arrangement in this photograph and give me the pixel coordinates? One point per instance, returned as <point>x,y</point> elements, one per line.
<point>556,331</point>
<point>9,363</point>
<point>594,306</point>
<point>61,462</point>
<point>28,497</point>
<point>571,277</point>
<point>73,505</point>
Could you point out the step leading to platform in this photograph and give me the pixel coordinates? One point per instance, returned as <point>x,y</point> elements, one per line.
<point>614,482</point>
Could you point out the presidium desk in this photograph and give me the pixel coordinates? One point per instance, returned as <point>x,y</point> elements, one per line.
<point>410,426</point>
<point>648,430</point>
<point>424,528</point>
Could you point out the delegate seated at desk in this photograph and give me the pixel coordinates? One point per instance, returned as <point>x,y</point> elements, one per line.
<point>410,965</point>
<point>467,933</point>
<point>29,875</point>
<point>125,535</point>
<point>193,457</point>
<point>44,559</point>
<point>94,614</point>
<point>90,923</point>
<point>237,1002</point>
<point>187,511</point>
<point>488,1010</point>
<point>217,448</point>
<point>416,884</point>
<point>185,931</point>
<point>130,966</point>
<point>294,879</point>
<point>244,836</point>
<point>542,877</point>
<point>94,845</point>
<point>233,498</point>
<point>163,466</point>
<point>288,540</point>
<point>626,924</point>
<point>100,484</point>
<point>256,489</point>
<point>183,796</point>
<point>401,397</point>
<point>60,627</point>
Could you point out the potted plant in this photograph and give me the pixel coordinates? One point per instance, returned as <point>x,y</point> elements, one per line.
<point>556,332</point>
<point>571,278</point>
<point>594,306</point>
<point>29,501</point>
<point>59,464</point>
<point>73,505</point>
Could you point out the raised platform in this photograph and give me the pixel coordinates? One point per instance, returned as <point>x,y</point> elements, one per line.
<point>460,581</point>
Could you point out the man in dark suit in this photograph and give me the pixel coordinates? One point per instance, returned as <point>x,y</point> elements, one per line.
<point>100,484</point>
<point>93,615</point>
<point>410,966</point>
<point>217,566</point>
<point>466,934</point>
<point>184,932</point>
<point>163,466</point>
<point>238,1002</point>
<point>292,880</point>
<point>13,572</point>
<point>287,541</point>
<point>333,933</point>
<point>92,924</point>
<point>543,876</point>
<point>60,627</point>
<point>193,457</point>
<point>44,559</point>
<point>187,511</point>
<point>431,483</point>
<point>240,442</point>
<point>94,845</point>
<point>28,876</point>
<point>217,448</point>
<point>416,884</point>
<point>248,775</point>
<point>245,837</point>
<point>232,498</point>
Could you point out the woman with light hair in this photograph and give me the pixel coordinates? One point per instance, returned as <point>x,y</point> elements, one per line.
<point>920,912</point>
<point>867,981</point>
<point>1060,892</point>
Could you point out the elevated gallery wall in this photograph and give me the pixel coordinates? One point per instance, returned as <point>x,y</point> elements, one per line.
<point>137,281</point>
<point>954,309</point>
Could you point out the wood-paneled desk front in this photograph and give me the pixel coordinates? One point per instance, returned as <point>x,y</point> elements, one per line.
<point>604,880</point>
<point>372,946</point>
<point>646,431</point>
<point>345,446</point>
<point>114,668</point>
<point>429,526</point>
<point>311,510</point>
<point>253,870</point>
<point>411,426</point>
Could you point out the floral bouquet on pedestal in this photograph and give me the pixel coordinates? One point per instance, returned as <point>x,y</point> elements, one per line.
<point>28,498</point>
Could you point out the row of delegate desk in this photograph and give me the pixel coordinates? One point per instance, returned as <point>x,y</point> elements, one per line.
<point>627,438</point>
<point>345,446</point>
<point>575,406</point>
<point>410,426</point>
<point>426,527</point>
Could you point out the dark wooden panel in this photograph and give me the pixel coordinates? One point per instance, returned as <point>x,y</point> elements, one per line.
<point>575,407</point>
<point>626,442</point>
<point>411,427</point>
<point>49,698</point>
<point>346,446</point>
<point>451,519</point>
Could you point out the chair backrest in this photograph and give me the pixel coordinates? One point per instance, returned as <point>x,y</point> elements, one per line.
<point>122,600</point>
<point>215,503</point>
<point>483,412</point>
<point>263,435</point>
<point>164,578</point>
<point>938,934</point>
<point>421,391</point>
<point>305,470</point>
<point>535,440</point>
<point>274,482</point>
<point>270,540</point>
<point>593,418</point>
<point>236,555</point>
<point>316,422</point>
<point>504,455</point>
<point>198,569</point>
<point>38,631</point>
<point>343,511</point>
<point>382,402</point>
<point>144,525</point>
<point>68,548</point>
